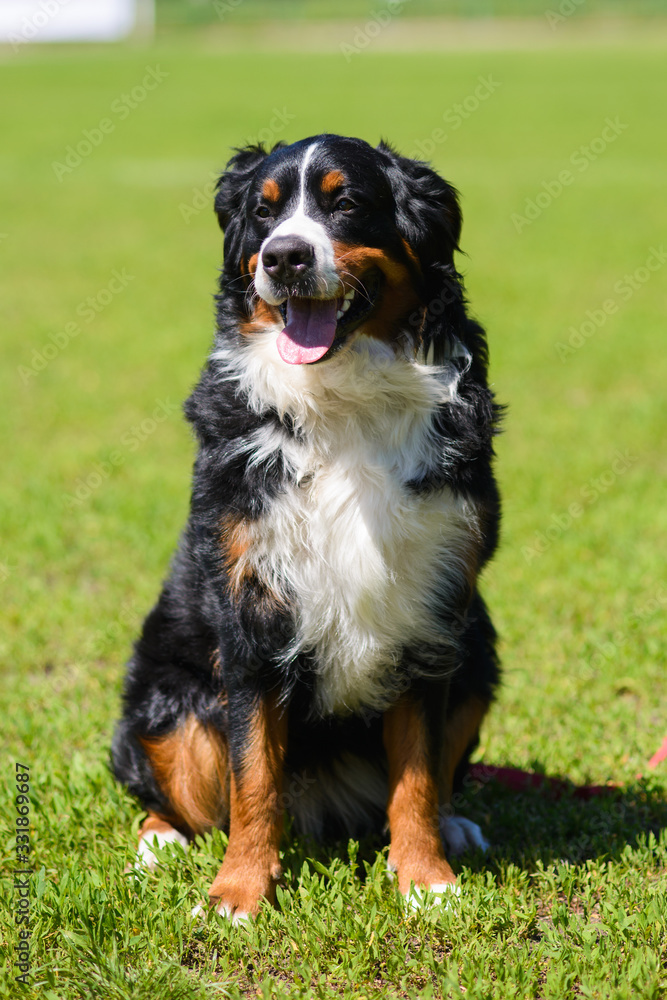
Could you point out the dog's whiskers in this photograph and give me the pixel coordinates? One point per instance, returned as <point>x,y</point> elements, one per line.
<point>251,296</point>
<point>361,288</point>
<point>241,277</point>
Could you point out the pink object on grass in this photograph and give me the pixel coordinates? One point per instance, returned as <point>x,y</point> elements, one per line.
<point>659,755</point>
<point>521,781</point>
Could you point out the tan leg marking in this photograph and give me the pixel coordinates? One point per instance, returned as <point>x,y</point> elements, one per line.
<point>460,729</point>
<point>416,851</point>
<point>251,867</point>
<point>191,767</point>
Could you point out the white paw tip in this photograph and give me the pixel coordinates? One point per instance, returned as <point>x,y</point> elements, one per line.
<point>438,894</point>
<point>146,857</point>
<point>236,916</point>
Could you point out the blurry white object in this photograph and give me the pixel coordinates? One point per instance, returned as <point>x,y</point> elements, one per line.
<point>25,21</point>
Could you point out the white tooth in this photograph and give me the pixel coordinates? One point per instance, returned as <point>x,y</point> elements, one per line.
<point>349,295</point>
<point>346,305</point>
<point>339,314</point>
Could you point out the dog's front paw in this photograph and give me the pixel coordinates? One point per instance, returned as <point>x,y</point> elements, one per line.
<point>237,892</point>
<point>460,835</point>
<point>429,893</point>
<point>424,880</point>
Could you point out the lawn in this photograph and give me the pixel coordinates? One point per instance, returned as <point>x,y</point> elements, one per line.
<point>109,256</point>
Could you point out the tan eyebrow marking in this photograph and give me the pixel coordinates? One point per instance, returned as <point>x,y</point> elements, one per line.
<point>334,179</point>
<point>270,190</point>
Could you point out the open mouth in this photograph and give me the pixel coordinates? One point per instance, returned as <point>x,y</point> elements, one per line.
<point>317,328</point>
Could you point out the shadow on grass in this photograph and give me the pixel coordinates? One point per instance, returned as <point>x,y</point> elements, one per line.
<point>530,826</point>
<point>533,825</point>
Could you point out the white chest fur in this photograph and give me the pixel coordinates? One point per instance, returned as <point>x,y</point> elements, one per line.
<point>369,563</point>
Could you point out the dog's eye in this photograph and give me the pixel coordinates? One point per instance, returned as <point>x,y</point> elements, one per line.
<point>263,212</point>
<point>345,205</point>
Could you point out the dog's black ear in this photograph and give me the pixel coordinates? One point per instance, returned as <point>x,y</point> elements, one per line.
<point>428,217</point>
<point>234,183</point>
<point>427,208</point>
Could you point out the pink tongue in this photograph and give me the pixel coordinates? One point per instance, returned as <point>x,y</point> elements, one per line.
<point>310,330</point>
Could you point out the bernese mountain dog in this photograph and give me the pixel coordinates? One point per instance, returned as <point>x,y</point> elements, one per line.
<point>320,646</point>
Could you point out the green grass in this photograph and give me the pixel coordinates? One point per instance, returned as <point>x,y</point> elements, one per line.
<point>572,900</point>
<point>172,12</point>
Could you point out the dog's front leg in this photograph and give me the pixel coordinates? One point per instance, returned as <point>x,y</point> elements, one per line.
<point>416,851</point>
<point>251,867</point>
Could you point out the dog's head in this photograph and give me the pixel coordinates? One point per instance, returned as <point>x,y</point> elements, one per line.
<point>337,238</point>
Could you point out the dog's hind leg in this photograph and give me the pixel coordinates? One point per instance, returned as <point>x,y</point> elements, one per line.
<point>190,765</point>
<point>460,736</point>
<point>470,694</point>
<point>189,772</point>
<point>170,748</point>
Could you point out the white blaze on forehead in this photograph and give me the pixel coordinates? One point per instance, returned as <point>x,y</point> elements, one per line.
<point>300,224</point>
<point>302,177</point>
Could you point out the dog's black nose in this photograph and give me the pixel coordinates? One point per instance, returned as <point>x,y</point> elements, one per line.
<point>287,258</point>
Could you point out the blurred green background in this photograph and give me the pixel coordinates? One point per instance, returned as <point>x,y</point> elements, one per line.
<point>554,133</point>
<point>202,11</point>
